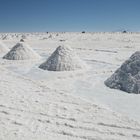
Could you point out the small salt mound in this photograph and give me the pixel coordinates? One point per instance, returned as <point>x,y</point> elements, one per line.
<point>3,48</point>
<point>127,77</point>
<point>63,59</point>
<point>22,40</point>
<point>21,51</point>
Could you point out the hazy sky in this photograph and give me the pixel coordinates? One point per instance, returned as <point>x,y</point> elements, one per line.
<point>69,15</point>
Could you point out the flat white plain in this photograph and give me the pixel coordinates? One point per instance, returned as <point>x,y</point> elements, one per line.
<point>74,105</point>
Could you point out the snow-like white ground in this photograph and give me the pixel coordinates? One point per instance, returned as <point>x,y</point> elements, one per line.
<point>38,104</point>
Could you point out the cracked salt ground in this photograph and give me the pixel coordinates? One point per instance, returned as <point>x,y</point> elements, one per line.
<point>36,112</point>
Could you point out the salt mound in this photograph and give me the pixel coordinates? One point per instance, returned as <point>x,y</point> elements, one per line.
<point>3,48</point>
<point>63,59</point>
<point>127,77</point>
<point>21,51</point>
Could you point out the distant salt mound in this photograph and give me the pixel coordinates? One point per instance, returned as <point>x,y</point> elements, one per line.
<point>22,40</point>
<point>127,77</point>
<point>3,48</point>
<point>21,51</point>
<point>63,59</point>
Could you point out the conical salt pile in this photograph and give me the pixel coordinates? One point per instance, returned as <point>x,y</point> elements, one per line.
<point>21,51</point>
<point>3,48</point>
<point>127,77</point>
<point>63,59</point>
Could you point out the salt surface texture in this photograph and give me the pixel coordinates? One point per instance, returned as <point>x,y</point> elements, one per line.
<point>3,48</point>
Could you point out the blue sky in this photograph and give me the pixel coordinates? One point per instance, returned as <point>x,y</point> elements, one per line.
<point>69,15</point>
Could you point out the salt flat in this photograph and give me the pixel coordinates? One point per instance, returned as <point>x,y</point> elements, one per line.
<point>38,104</point>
